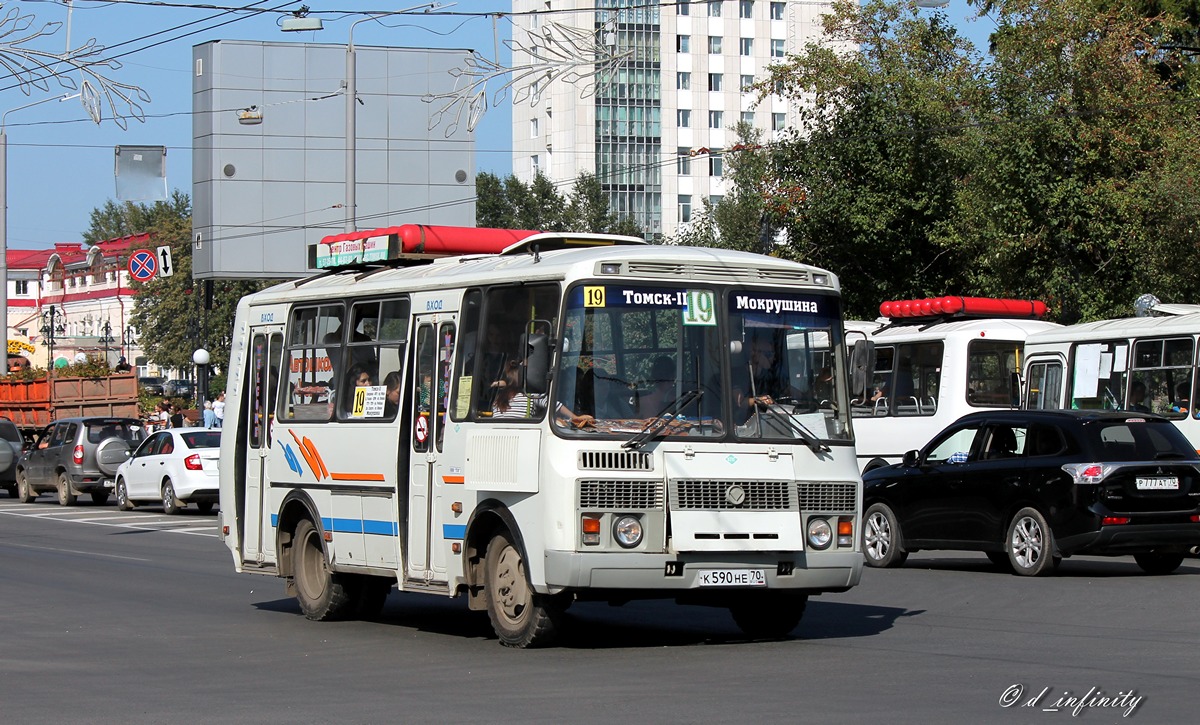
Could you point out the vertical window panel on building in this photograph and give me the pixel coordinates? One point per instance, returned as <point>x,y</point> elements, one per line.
<point>748,117</point>
<point>746,83</point>
<point>777,10</point>
<point>683,81</point>
<point>778,121</point>
<point>685,208</point>
<point>714,9</point>
<point>683,43</point>
<point>746,9</point>
<point>778,49</point>
<point>716,119</point>
<point>684,163</point>
<point>716,165</point>
<point>714,45</point>
<point>715,81</point>
<point>746,46</point>
<point>683,118</point>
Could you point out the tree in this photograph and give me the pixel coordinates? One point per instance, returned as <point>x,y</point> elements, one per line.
<point>513,204</point>
<point>741,219</point>
<point>167,311</point>
<point>589,210</point>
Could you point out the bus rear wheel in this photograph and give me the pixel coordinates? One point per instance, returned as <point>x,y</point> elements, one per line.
<point>520,616</point>
<point>322,594</point>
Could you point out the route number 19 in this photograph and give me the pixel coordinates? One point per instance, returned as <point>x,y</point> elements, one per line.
<point>698,308</point>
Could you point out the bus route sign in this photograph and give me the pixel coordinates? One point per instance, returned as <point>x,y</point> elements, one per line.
<point>143,265</point>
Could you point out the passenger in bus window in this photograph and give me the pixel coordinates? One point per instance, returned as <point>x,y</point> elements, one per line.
<point>392,383</point>
<point>512,402</point>
<point>1137,397</point>
<point>1180,404</point>
<point>662,391</point>
<point>764,381</point>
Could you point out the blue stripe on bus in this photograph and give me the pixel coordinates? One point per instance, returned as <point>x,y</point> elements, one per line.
<point>454,531</point>
<point>355,526</point>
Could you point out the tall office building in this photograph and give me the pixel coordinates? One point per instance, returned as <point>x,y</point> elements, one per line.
<point>654,129</point>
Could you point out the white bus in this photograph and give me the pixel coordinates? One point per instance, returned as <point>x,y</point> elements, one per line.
<point>931,361</point>
<point>369,441</point>
<point>1136,363</point>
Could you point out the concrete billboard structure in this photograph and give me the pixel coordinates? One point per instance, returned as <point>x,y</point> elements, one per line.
<point>269,140</point>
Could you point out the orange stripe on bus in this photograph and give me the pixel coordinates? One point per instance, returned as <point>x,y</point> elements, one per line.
<point>356,476</point>
<point>313,449</point>
<point>453,479</point>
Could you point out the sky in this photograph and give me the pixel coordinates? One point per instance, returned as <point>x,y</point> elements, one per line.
<point>60,163</point>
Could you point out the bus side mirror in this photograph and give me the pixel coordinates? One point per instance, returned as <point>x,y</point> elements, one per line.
<point>862,363</point>
<point>537,363</point>
<point>1014,389</point>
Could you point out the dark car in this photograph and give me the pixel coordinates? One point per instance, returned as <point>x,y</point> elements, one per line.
<point>1030,487</point>
<point>178,389</point>
<point>76,456</point>
<point>152,386</point>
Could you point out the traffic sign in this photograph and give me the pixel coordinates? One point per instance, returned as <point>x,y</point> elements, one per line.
<point>143,265</point>
<point>165,268</point>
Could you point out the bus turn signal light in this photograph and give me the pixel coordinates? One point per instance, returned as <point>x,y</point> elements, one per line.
<point>591,530</point>
<point>845,531</point>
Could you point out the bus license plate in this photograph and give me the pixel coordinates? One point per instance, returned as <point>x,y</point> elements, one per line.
<point>731,577</point>
<point>1157,483</point>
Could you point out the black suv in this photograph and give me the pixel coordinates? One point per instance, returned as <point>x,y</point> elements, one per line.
<point>1030,487</point>
<point>76,456</point>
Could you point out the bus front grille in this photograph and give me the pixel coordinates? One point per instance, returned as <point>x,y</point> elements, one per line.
<point>718,272</point>
<point>832,498</point>
<point>615,461</point>
<point>706,495</point>
<point>602,495</point>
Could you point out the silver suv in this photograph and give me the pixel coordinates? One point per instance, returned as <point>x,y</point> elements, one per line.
<point>76,456</point>
<point>11,443</point>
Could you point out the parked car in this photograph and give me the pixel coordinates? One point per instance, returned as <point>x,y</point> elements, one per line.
<point>1030,487</point>
<point>151,385</point>
<point>178,389</point>
<point>177,466</point>
<point>76,456</point>
<point>11,443</point>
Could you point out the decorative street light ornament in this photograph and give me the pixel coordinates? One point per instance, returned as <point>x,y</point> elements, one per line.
<point>558,53</point>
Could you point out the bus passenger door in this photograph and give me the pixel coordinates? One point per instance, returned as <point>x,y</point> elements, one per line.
<point>427,505</point>
<point>262,378</point>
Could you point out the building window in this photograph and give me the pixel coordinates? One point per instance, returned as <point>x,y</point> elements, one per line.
<point>746,9</point>
<point>714,45</point>
<point>716,119</point>
<point>715,199</point>
<point>684,165</point>
<point>684,8</point>
<point>777,50</point>
<point>716,167</point>
<point>778,121</point>
<point>746,83</point>
<point>685,208</point>
<point>714,81</point>
<point>777,11</point>
<point>683,81</point>
<point>22,286</point>
<point>714,9</point>
<point>683,118</point>
<point>746,46</point>
<point>683,43</point>
<point>535,164</point>
<point>748,117</point>
<point>533,128</point>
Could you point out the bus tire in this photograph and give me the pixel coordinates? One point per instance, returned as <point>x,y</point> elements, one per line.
<point>322,595</point>
<point>773,616</point>
<point>520,616</point>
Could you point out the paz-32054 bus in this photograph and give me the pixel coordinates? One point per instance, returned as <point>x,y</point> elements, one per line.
<point>570,417</point>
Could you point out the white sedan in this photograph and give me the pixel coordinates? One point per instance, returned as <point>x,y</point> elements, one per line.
<point>176,467</point>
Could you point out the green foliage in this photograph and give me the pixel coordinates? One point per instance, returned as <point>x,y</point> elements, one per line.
<point>167,311</point>
<point>512,204</point>
<point>1060,168</point>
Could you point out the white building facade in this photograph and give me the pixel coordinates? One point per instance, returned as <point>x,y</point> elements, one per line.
<point>655,133</point>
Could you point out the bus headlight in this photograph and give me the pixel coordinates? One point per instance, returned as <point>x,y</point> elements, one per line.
<point>819,533</point>
<point>627,530</point>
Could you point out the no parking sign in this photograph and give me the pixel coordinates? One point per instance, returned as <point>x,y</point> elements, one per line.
<point>143,265</point>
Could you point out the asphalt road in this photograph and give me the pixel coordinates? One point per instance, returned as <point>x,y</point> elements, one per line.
<point>111,617</point>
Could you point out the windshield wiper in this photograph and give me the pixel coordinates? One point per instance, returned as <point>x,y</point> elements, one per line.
<point>810,439</point>
<point>659,423</point>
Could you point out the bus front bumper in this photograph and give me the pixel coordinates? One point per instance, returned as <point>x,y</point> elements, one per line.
<point>812,572</point>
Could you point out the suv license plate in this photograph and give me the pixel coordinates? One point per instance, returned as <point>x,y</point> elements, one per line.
<point>732,577</point>
<point>1157,483</point>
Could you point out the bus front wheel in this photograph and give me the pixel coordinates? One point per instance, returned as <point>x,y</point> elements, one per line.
<point>520,616</point>
<point>322,594</point>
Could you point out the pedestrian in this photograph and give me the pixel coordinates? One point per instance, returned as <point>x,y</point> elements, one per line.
<point>219,409</point>
<point>122,366</point>
<point>176,419</point>
<point>210,418</point>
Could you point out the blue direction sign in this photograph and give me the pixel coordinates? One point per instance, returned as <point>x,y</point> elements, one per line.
<point>143,265</point>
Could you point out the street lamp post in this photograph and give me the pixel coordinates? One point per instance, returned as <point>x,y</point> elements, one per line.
<point>351,100</point>
<point>106,339</point>
<point>128,339</point>
<point>50,329</point>
<point>201,358</point>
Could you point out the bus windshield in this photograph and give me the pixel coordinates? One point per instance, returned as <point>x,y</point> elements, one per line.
<point>710,361</point>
